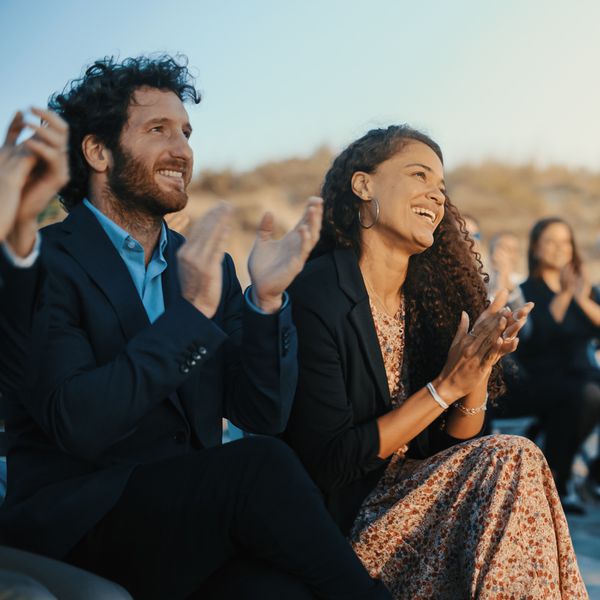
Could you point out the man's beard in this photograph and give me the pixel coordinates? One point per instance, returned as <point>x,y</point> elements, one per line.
<point>133,186</point>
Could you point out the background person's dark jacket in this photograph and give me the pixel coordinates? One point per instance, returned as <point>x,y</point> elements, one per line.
<point>106,391</point>
<point>551,348</point>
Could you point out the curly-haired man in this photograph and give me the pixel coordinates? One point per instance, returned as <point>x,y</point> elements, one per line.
<point>143,342</point>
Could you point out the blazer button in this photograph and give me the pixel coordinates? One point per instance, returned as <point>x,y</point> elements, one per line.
<point>201,350</point>
<point>184,369</point>
<point>191,362</point>
<point>180,436</point>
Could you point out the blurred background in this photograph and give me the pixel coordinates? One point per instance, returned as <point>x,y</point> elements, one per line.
<point>510,90</point>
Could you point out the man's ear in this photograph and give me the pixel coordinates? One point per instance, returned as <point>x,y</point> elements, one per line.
<point>97,155</point>
<point>362,185</point>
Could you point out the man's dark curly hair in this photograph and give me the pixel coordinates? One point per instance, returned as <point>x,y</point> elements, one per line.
<point>98,102</point>
<point>441,282</point>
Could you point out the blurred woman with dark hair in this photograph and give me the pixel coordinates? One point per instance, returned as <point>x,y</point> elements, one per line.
<point>393,388</point>
<point>558,381</point>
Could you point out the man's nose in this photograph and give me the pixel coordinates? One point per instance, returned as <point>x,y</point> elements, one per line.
<point>181,148</point>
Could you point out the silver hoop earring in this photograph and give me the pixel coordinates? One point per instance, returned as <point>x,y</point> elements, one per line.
<point>376,215</point>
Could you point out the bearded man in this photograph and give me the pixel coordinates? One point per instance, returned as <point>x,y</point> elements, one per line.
<point>143,342</point>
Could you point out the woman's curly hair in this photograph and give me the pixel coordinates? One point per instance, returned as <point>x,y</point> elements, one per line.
<point>98,103</point>
<point>441,282</point>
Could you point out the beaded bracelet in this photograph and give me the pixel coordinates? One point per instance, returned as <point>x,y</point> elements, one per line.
<point>471,411</point>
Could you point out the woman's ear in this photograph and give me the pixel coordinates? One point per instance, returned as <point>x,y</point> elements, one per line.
<point>362,185</point>
<point>97,155</point>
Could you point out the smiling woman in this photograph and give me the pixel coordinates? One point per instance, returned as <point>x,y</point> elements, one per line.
<point>393,388</point>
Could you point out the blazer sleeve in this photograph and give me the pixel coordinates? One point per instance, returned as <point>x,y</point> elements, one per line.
<point>19,288</point>
<point>85,406</point>
<point>262,365</point>
<point>335,449</point>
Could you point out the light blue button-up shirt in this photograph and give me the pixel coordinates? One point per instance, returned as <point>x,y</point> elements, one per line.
<point>147,281</point>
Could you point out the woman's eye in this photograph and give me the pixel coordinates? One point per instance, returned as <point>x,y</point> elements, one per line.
<point>421,174</point>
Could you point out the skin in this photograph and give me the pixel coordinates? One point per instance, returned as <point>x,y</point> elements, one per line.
<point>31,174</point>
<point>555,254</point>
<point>410,180</point>
<point>154,143</point>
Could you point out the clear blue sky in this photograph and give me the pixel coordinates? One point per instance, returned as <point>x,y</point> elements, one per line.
<point>513,80</point>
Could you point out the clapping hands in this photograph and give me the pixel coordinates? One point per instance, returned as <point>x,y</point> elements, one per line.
<point>31,174</point>
<point>474,352</point>
<point>272,264</point>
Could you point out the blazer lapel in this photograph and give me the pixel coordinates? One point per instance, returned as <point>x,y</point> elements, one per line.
<point>89,245</point>
<point>170,276</point>
<point>351,282</point>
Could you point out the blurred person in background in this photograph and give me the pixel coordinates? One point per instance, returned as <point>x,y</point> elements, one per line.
<point>558,381</point>
<point>473,228</point>
<point>504,255</point>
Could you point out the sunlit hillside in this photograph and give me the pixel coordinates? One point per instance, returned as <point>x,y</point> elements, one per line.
<point>500,196</point>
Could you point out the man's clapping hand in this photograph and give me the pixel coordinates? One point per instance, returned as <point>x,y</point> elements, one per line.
<point>273,264</point>
<point>200,258</point>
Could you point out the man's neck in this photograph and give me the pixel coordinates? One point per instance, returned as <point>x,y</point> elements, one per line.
<point>140,225</point>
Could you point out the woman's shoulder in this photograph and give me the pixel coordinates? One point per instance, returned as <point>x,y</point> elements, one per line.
<point>317,284</point>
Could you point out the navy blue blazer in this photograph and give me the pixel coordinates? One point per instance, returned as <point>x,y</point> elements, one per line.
<point>106,390</point>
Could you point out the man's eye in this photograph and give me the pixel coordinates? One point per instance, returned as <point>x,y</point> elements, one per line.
<point>187,134</point>
<point>157,128</point>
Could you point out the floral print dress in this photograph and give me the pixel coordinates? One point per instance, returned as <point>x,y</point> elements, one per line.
<point>481,519</point>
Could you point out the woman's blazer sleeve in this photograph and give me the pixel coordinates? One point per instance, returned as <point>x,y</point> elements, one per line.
<point>334,446</point>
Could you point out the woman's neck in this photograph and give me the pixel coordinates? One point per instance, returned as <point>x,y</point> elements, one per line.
<point>384,271</point>
<point>551,277</point>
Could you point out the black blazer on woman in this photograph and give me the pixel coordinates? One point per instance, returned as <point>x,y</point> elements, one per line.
<point>342,386</point>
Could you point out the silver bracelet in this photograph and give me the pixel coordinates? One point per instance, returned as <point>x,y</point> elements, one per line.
<point>436,396</point>
<point>471,411</point>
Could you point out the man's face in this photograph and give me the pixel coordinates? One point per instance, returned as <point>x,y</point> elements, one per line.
<point>152,166</point>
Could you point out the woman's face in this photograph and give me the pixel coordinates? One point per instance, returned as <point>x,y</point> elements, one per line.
<point>410,190</point>
<point>555,248</point>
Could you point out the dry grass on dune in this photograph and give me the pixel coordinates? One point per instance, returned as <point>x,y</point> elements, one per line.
<point>500,196</point>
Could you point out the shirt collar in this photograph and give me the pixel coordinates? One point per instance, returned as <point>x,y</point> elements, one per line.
<point>121,239</point>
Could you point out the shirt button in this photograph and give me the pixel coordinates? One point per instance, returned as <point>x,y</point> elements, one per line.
<point>131,244</point>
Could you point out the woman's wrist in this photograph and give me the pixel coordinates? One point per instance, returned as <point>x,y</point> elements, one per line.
<point>446,390</point>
